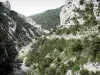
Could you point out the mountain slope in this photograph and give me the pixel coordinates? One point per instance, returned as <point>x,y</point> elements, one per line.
<point>74,48</point>
<point>25,32</point>
<point>49,19</point>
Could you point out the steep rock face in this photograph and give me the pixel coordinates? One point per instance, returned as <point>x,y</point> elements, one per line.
<point>20,28</point>
<point>16,31</point>
<point>5,12</point>
<point>25,32</point>
<point>76,8</point>
<point>8,50</point>
<point>7,5</point>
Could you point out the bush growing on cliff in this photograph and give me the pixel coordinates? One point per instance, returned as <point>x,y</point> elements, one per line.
<point>95,46</point>
<point>76,68</point>
<point>76,46</point>
<point>84,72</point>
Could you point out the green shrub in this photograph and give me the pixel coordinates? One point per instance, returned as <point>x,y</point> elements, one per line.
<point>92,73</point>
<point>84,72</point>
<point>76,68</point>
<point>70,64</point>
<point>76,46</point>
<point>95,46</point>
<point>63,69</point>
<point>81,2</point>
<point>98,56</point>
<point>97,73</point>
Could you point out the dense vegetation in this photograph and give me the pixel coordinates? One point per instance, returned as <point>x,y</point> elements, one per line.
<point>53,57</point>
<point>56,56</point>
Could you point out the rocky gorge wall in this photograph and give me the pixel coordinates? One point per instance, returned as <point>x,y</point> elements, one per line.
<point>73,8</point>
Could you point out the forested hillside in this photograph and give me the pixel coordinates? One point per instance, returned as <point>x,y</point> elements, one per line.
<point>49,19</point>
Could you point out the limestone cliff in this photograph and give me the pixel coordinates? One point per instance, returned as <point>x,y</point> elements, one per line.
<point>76,8</point>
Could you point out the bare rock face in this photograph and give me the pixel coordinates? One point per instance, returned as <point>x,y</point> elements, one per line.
<point>77,9</point>
<point>7,4</point>
<point>15,32</point>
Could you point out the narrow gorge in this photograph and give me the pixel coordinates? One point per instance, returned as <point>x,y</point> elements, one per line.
<point>61,41</point>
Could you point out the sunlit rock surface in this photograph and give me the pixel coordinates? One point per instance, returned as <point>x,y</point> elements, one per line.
<point>68,12</point>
